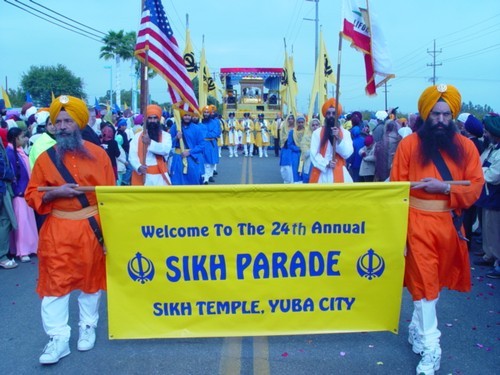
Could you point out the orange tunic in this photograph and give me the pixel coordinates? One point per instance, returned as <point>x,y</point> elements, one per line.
<point>436,257</point>
<point>69,254</point>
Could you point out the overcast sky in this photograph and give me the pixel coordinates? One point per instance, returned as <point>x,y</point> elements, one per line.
<point>250,34</point>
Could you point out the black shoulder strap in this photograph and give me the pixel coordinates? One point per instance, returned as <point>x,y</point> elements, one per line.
<point>441,166</point>
<point>66,175</point>
<point>82,198</point>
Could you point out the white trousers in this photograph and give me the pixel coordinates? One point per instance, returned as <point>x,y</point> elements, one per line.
<point>424,318</point>
<point>209,171</point>
<point>55,313</point>
<point>248,149</point>
<point>286,174</point>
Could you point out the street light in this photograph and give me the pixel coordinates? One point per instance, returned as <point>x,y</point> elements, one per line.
<point>110,85</point>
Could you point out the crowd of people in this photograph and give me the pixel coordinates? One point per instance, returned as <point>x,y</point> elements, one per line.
<point>69,145</point>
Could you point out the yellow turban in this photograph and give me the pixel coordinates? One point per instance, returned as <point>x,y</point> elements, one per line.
<point>433,94</point>
<point>75,107</point>
<point>331,103</point>
<point>153,110</point>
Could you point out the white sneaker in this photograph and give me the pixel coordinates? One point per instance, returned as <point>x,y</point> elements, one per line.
<point>415,340</point>
<point>54,351</point>
<point>25,258</point>
<point>430,362</point>
<point>86,340</point>
<point>8,264</point>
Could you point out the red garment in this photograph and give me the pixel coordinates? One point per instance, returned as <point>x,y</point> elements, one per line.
<point>436,256</point>
<point>69,254</point>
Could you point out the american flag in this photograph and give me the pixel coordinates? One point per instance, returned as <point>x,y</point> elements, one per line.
<point>155,36</point>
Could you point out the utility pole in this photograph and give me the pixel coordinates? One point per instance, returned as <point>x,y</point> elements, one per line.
<point>385,94</point>
<point>316,20</point>
<point>434,53</point>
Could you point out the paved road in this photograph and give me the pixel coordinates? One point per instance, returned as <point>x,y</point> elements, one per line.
<point>470,323</point>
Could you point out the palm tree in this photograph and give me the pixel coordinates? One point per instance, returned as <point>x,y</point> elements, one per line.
<point>118,46</point>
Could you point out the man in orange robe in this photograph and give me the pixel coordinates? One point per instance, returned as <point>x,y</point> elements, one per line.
<point>70,252</point>
<point>437,254</point>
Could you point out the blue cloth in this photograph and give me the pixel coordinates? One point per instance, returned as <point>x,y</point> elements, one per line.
<point>6,173</point>
<point>193,139</point>
<point>211,152</point>
<point>358,142</point>
<point>290,155</point>
<point>20,170</point>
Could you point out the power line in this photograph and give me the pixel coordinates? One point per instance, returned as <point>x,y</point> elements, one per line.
<point>480,23</point>
<point>63,22</point>
<point>475,53</point>
<point>45,19</point>
<point>68,18</point>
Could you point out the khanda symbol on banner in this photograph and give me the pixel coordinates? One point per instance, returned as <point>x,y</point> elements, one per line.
<point>370,265</point>
<point>190,63</point>
<point>141,269</point>
<point>209,80</point>
<point>284,77</point>
<point>328,67</point>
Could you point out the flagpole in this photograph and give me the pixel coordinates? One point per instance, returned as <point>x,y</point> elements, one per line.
<point>145,92</point>
<point>144,79</point>
<point>337,94</point>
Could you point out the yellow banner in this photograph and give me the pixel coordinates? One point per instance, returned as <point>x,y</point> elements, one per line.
<point>252,260</point>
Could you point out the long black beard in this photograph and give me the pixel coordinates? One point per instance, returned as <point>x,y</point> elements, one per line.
<point>71,142</point>
<point>154,131</point>
<point>434,139</point>
<point>327,133</point>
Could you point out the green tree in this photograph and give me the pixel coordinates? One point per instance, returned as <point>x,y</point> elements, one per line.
<point>42,81</point>
<point>17,97</point>
<point>477,110</point>
<point>118,46</point>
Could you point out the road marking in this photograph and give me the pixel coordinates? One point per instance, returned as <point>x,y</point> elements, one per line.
<point>261,356</point>
<point>230,359</point>
<point>244,171</point>
<point>250,174</point>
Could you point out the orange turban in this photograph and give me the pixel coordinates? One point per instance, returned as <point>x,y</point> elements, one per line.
<point>433,94</point>
<point>153,110</point>
<point>331,103</point>
<point>75,107</point>
<point>206,108</point>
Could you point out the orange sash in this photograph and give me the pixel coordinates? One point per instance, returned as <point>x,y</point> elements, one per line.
<point>338,171</point>
<point>160,167</point>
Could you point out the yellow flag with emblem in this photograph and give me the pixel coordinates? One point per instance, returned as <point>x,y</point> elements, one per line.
<point>323,75</point>
<point>189,59</point>
<point>202,84</point>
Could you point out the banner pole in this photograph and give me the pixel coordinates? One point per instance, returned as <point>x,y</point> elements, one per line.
<point>92,188</point>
